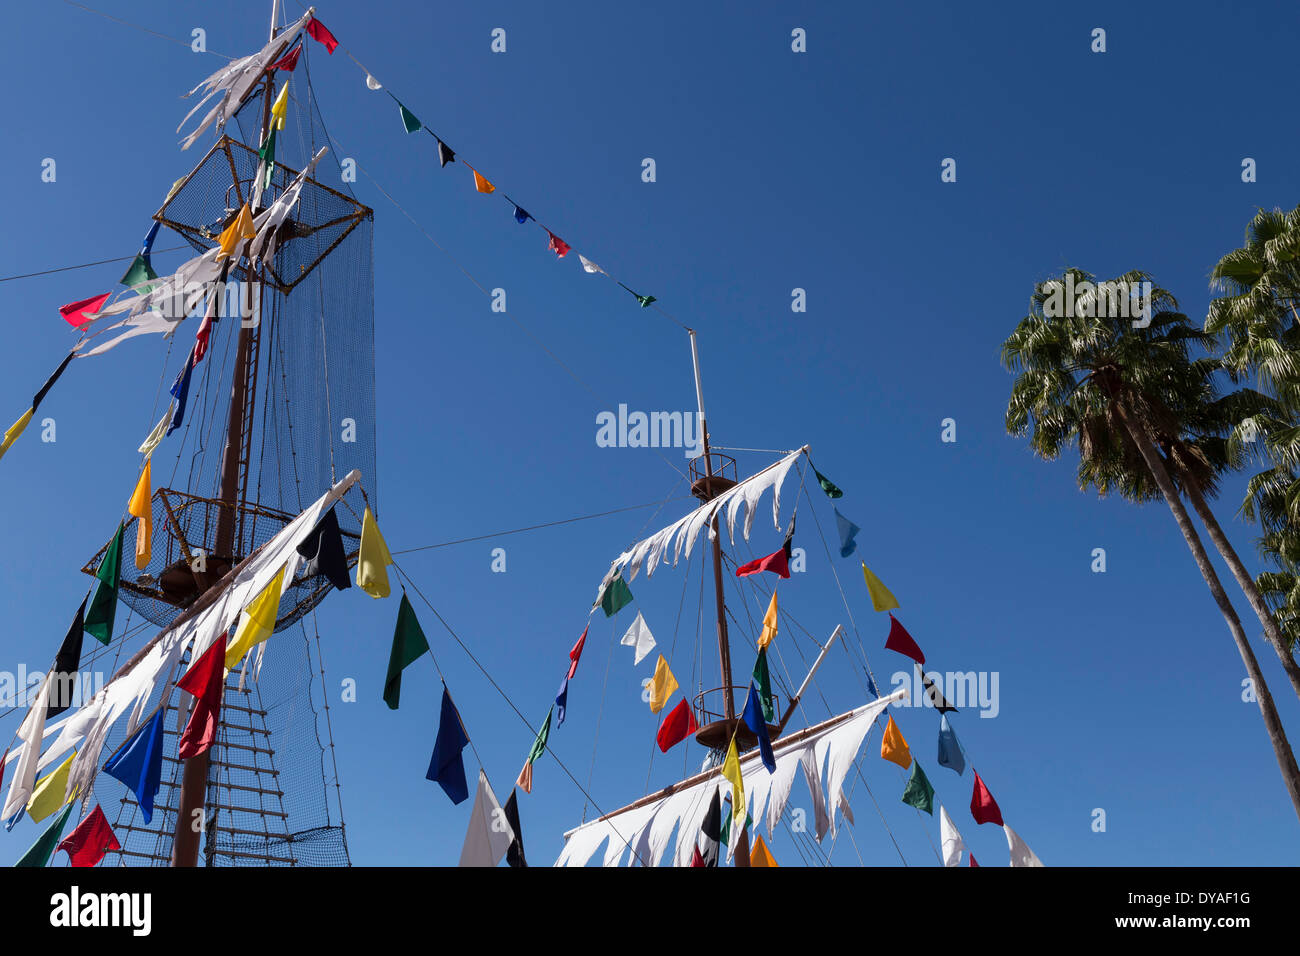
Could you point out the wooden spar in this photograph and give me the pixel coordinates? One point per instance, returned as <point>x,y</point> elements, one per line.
<point>703,775</point>
<point>794,701</point>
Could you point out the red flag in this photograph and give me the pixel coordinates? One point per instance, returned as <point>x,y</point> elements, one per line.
<point>289,61</point>
<point>676,726</point>
<point>557,245</point>
<point>696,859</point>
<point>3,761</point>
<point>321,34</point>
<point>93,837</point>
<point>778,561</point>
<point>899,640</point>
<point>201,339</point>
<point>577,652</point>
<point>982,805</point>
<point>75,312</point>
<point>206,681</point>
<point>972,860</point>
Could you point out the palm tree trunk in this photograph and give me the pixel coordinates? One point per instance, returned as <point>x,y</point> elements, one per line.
<point>1271,631</point>
<point>1272,723</point>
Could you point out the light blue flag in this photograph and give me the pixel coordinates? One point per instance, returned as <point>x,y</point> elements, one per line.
<point>949,749</point>
<point>848,531</point>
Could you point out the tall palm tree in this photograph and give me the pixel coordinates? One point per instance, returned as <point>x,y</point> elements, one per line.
<point>1146,418</point>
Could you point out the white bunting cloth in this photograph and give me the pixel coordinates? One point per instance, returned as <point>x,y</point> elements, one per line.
<point>950,840</point>
<point>1021,855</point>
<point>639,636</point>
<point>489,834</point>
<point>31,733</point>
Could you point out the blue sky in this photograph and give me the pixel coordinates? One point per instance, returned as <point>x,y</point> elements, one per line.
<point>775,170</point>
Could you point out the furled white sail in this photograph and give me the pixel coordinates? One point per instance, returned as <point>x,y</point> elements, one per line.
<point>684,532</point>
<point>647,829</point>
<point>235,81</point>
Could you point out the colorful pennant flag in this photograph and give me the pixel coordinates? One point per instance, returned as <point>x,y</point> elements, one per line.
<point>486,840</point>
<point>770,623</point>
<point>982,805</point>
<point>240,228</point>
<point>141,269</point>
<point>521,215</point>
<point>41,851</point>
<point>893,747</point>
<point>778,562</point>
<point>323,553</point>
<point>754,720</point>
<point>950,840</point>
<point>590,267</point>
<point>708,848</point>
<point>51,792</point>
<point>206,681</point>
<point>373,559</point>
<point>677,726</point>
<point>409,121</point>
<point>934,697</point>
<point>950,754</point>
<point>480,183</point>
<point>91,840</point>
<point>763,681</point>
<point>103,606</point>
<point>67,664</point>
<point>79,313</point>
<point>318,32</point>
<point>267,154</point>
<point>662,686</point>
<point>15,430</point>
<point>731,773</point>
<point>638,636</point>
<point>280,108</point>
<point>562,702</point>
<point>515,852</point>
<point>881,598</point>
<point>575,653</point>
<point>615,597</point>
<point>899,640</point>
<point>525,780</point>
<point>289,62</point>
<point>180,390</point>
<point>138,763</point>
<point>557,245</point>
<point>848,531</point>
<point>447,765</point>
<point>972,860</point>
<point>141,506</point>
<point>409,643</point>
<point>445,154</point>
<point>760,855</point>
<point>828,486</point>
<point>1021,855</point>
<point>918,792</point>
<point>257,622</point>
<point>49,382</point>
<point>372,83</point>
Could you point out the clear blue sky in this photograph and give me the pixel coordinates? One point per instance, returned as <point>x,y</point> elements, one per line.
<point>776,170</point>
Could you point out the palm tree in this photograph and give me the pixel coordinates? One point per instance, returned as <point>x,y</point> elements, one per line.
<point>1146,418</point>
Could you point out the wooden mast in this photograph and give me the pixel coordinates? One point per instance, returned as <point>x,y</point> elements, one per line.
<point>194,778</point>
<point>711,490</point>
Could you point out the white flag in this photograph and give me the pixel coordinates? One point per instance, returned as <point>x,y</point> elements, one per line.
<point>373,83</point>
<point>950,839</point>
<point>1021,855</point>
<point>639,636</point>
<point>589,266</point>
<point>158,432</point>
<point>489,834</point>
<point>31,732</point>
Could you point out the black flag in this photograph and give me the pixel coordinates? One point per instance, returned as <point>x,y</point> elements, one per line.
<point>515,853</point>
<point>445,154</point>
<point>66,666</point>
<point>324,554</point>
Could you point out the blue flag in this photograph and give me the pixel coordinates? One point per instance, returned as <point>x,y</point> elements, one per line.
<point>848,531</point>
<point>447,767</point>
<point>562,701</point>
<point>753,718</point>
<point>949,750</point>
<point>871,686</point>
<point>138,764</point>
<point>521,216</point>
<point>181,392</point>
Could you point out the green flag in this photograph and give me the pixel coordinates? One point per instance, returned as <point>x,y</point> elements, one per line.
<point>645,300</point>
<point>828,486</point>
<point>726,824</point>
<point>919,793</point>
<point>103,606</point>
<point>409,643</point>
<point>409,120</point>
<point>539,745</point>
<point>140,271</point>
<point>267,153</point>
<point>615,597</point>
<point>763,681</point>
<point>41,851</point>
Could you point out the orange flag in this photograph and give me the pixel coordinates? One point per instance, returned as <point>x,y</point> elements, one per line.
<point>894,747</point>
<point>760,855</point>
<point>525,781</point>
<point>769,623</point>
<point>481,184</point>
<point>141,506</point>
<point>240,228</point>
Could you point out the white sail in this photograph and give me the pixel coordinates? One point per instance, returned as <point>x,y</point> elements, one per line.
<point>647,828</point>
<point>650,551</point>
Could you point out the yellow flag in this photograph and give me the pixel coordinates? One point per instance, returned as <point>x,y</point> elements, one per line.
<point>236,232</point>
<point>142,507</point>
<point>760,855</point>
<point>769,623</point>
<point>894,747</point>
<point>15,430</point>
<point>662,686</point>
<point>731,773</point>
<point>50,792</point>
<point>258,621</point>
<point>374,557</point>
<point>881,597</point>
<point>280,107</point>
<point>481,184</point>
